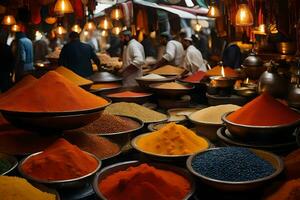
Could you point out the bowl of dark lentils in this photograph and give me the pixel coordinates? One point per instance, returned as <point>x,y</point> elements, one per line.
<point>235,168</point>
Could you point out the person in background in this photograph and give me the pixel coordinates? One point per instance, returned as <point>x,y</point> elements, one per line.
<point>193,60</point>
<point>24,55</point>
<point>40,47</point>
<point>174,52</point>
<point>150,51</point>
<point>232,56</point>
<point>114,49</point>
<point>6,64</point>
<point>77,56</point>
<point>133,59</point>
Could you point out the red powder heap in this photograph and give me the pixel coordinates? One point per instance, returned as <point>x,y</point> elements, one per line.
<point>144,183</point>
<point>60,161</point>
<point>196,77</point>
<point>128,94</point>
<point>264,111</point>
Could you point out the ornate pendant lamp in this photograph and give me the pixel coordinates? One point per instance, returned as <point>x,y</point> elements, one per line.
<point>63,6</point>
<point>244,15</point>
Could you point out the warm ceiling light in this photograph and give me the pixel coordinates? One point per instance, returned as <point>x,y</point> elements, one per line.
<point>63,6</point>
<point>244,16</point>
<point>104,33</point>
<point>116,14</point>
<point>15,28</point>
<point>213,10</point>
<point>197,27</point>
<point>60,30</point>
<point>50,20</point>
<point>8,20</point>
<point>106,23</point>
<point>76,28</point>
<point>116,30</point>
<point>90,26</point>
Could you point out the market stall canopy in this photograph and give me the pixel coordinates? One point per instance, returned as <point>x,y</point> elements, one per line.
<point>181,13</point>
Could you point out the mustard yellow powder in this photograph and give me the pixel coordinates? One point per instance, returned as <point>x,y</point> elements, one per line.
<point>172,139</point>
<point>72,76</point>
<point>14,188</point>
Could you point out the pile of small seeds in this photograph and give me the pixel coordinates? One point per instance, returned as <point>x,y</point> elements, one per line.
<point>108,123</point>
<point>232,164</point>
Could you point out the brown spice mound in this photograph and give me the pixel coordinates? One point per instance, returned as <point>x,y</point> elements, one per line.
<point>99,146</point>
<point>108,123</point>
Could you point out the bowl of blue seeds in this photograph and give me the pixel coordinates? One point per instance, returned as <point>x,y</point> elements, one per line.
<point>235,168</point>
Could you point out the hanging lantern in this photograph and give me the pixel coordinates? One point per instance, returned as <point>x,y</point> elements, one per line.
<point>8,20</point>
<point>50,20</point>
<point>60,30</point>
<point>116,30</point>
<point>197,27</point>
<point>106,24</point>
<point>116,14</point>
<point>104,33</point>
<point>243,16</point>
<point>15,28</point>
<point>90,26</point>
<point>76,28</point>
<point>213,10</point>
<point>63,6</point>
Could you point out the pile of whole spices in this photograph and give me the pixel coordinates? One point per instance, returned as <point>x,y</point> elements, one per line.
<point>232,164</point>
<point>144,182</point>
<point>99,146</point>
<point>4,166</point>
<point>42,96</point>
<point>264,110</point>
<point>108,123</point>
<point>15,188</point>
<point>196,77</point>
<point>126,94</point>
<point>60,161</point>
<point>134,110</point>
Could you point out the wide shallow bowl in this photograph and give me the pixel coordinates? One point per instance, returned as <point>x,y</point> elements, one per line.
<point>245,92</point>
<point>206,129</point>
<point>280,147</point>
<point>53,121</point>
<point>106,172</point>
<point>144,83</point>
<point>260,132</point>
<point>139,99</point>
<point>61,184</point>
<point>104,77</point>
<point>11,160</point>
<point>160,157</point>
<point>170,92</point>
<point>275,160</point>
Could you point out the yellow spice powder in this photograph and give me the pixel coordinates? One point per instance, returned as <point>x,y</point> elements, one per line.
<point>172,139</point>
<point>14,188</point>
<point>72,76</point>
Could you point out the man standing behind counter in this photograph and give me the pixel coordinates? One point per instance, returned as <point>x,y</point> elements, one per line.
<point>133,58</point>
<point>77,56</point>
<point>174,53</point>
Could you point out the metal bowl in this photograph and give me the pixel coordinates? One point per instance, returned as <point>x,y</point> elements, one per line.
<point>245,92</point>
<point>53,121</point>
<point>161,157</point>
<point>61,184</point>
<point>260,132</point>
<point>125,165</point>
<point>170,92</point>
<point>275,160</point>
<point>12,160</point>
<point>104,77</point>
<point>144,83</point>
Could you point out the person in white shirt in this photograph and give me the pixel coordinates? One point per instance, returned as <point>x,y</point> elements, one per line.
<point>133,58</point>
<point>193,60</point>
<point>174,52</point>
